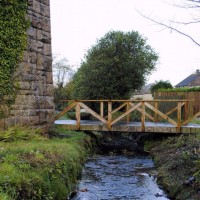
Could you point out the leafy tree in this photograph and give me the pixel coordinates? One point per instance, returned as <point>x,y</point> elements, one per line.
<point>114,67</point>
<point>160,85</point>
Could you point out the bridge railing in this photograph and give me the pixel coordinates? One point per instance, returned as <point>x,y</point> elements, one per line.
<point>111,112</point>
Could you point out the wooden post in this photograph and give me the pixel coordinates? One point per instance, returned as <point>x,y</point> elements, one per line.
<point>101,109</point>
<point>78,116</point>
<point>109,115</point>
<point>179,117</point>
<point>186,110</point>
<point>128,116</point>
<point>155,114</point>
<point>143,117</point>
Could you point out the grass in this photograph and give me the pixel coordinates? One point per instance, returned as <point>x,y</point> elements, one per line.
<point>38,167</point>
<point>195,121</point>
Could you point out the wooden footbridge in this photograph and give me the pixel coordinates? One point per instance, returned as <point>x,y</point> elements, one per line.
<point>156,116</point>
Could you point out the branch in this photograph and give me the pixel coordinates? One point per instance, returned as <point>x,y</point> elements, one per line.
<point>187,23</point>
<point>194,1</point>
<point>170,27</point>
<point>189,4</point>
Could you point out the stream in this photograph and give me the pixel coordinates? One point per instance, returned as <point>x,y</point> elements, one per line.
<point>119,177</point>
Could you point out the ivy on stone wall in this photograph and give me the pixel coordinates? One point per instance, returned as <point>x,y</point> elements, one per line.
<point>13,41</point>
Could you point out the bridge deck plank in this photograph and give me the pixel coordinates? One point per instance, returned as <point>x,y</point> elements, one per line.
<point>153,127</point>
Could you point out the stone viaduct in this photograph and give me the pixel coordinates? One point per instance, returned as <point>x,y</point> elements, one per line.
<point>34,103</point>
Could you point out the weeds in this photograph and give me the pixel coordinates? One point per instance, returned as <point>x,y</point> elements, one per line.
<point>20,133</point>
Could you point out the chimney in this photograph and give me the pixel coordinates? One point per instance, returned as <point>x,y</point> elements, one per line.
<point>197,71</point>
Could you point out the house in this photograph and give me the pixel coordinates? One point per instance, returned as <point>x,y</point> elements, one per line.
<point>143,94</point>
<point>191,81</point>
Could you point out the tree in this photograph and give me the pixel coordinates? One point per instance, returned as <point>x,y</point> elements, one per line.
<point>114,67</point>
<point>160,85</point>
<point>62,73</point>
<point>176,25</point>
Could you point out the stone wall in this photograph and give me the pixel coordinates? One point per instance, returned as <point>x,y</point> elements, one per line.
<point>34,103</point>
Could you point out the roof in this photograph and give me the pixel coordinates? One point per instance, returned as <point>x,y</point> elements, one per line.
<point>188,80</point>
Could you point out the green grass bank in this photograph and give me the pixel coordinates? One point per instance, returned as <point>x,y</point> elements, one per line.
<point>33,166</point>
<point>178,162</point>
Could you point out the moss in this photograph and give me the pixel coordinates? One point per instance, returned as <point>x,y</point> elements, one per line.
<point>149,145</point>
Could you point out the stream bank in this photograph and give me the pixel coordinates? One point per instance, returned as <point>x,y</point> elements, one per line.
<point>34,166</point>
<point>178,163</point>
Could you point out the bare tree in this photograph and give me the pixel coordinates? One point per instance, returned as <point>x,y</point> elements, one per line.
<point>62,71</point>
<point>193,7</point>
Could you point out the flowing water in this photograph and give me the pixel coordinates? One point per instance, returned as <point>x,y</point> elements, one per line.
<point>119,177</point>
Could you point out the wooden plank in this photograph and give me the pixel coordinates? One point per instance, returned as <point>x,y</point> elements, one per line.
<point>161,114</point>
<point>126,113</point>
<point>123,100</point>
<point>155,114</point>
<point>117,109</point>
<point>78,116</point>
<point>186,110</point>
<point>191,118</point>
<point>171,111</point>
<point>109,116</point>
<point>174,109</point>
<point>89,110</point>
<point>124,127</point>
<point>143,117</point>
<point>102,108</point>
<point>146,114</point>
<point>155,100</point>
<point>179,117</point>
<point>65,110</point>
<point>120,107</point>
<point>128,116</point>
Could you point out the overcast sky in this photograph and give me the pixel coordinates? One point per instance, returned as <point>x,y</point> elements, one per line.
<point>77,24</point>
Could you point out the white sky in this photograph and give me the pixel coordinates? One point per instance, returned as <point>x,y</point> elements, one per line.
<point>77,24</point>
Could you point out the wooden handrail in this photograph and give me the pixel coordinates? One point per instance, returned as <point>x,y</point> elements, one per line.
<point>130,106</point>
<point>121,100</point>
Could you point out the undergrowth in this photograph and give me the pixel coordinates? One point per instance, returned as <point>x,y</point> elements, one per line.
<point>36,167</point>
<point>16,133</point>
<point>178,162</point>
